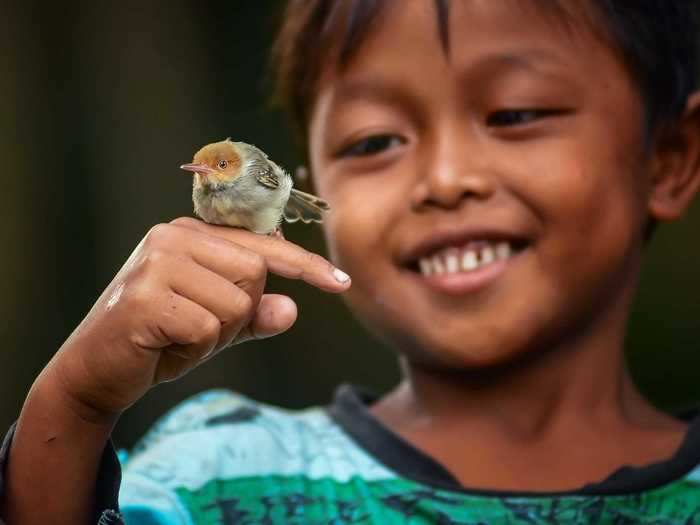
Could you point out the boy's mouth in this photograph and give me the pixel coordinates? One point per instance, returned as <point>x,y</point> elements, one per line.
<point>459,264</point>
<point>467,258</point>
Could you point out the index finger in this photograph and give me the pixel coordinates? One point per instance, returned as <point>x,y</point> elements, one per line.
<point>283,258</point>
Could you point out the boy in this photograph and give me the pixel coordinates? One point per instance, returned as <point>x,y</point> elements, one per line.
<point>494,169</point>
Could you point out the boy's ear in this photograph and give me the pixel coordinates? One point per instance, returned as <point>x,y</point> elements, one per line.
<point>675,177</point>
<point>303,180</point>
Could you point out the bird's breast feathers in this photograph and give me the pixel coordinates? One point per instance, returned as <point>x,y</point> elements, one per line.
<point>245,202</point>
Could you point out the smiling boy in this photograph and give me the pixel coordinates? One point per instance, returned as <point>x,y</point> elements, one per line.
<point>494,169</point>
<point>536,139</point>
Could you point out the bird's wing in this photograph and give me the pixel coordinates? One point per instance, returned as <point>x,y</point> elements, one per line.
<point>267,177</point>
<point>304,206</point>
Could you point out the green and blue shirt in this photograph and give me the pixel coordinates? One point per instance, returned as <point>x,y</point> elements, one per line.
<point>222,459</point>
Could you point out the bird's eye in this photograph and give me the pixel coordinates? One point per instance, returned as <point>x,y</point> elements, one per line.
<point>223,164</point>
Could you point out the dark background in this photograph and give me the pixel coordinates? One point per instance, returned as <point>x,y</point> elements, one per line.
<point>100,102</point>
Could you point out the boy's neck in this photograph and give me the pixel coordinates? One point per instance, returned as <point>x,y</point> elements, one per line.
<point>574,409</point>
<point>581,383</point>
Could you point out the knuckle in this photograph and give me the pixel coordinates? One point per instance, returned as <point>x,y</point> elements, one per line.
<point>158,235</point>
<point>187,222</point>
<point>154,258</point>
<point>257,265</point>
<point>243,305</point>
<point>270,241</point>
<point>238,307</point>
<point>138,297</point>
<point>209,329</point>
<point>313,260</point>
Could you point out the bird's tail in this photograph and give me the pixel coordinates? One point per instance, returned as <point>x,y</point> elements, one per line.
<point>305,207</point>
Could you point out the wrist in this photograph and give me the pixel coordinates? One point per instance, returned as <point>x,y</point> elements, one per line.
<point>55,391</point>
<point>55,455</point>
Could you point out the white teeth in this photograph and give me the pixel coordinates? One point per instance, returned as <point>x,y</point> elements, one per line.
<point>487,256</point>
<point>452,261</point>
<point>502,250</point>
<point>438,265</point>
<point>469,261</point>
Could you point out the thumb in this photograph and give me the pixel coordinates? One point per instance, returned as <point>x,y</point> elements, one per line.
<point>275,314</point>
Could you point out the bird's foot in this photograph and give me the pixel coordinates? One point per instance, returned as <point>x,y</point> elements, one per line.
<point>277,232</point>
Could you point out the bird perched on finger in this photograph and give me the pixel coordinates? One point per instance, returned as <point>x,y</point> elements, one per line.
<point>236,184</point>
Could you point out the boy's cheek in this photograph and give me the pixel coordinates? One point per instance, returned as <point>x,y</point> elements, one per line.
<point>587,188</point>
<point>353,232</point>
<point>363,209</point>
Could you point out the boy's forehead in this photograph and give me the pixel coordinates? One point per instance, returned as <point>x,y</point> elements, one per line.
<point>350,24</point>
<point>401,61</point>
<point>497,32</point>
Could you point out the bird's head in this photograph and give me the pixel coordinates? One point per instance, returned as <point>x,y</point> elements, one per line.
<point>219,162</point>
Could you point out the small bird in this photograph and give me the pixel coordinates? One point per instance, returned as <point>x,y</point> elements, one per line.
<point>236,184</point>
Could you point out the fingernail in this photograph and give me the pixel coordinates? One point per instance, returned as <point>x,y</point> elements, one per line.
<point>340,276</point>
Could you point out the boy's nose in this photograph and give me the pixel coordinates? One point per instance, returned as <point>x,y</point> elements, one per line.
<point>448,180</point>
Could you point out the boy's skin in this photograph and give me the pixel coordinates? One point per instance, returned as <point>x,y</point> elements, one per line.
<point>524,371</point>
<point>528,370</point>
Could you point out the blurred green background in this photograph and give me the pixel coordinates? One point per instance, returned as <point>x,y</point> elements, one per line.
<point>100,102</point>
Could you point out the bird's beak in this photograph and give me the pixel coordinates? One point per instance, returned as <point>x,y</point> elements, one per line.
<point>202,169</point>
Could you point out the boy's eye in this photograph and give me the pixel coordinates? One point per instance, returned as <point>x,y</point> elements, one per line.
<point>518,117</point>
<point>371,146</point>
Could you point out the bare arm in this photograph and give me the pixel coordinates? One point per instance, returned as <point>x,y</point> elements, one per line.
<point>188,291</point>
<point>55,455</point>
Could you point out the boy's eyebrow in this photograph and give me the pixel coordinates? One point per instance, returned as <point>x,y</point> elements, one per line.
<point>529,59</point>
<point>373,89</point>
<point>386,92</point>
<point>538,61</point>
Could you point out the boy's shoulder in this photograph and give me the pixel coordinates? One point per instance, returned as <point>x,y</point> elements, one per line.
<point>220,449</point>
<point>205,413</point>
<point>219,434</point>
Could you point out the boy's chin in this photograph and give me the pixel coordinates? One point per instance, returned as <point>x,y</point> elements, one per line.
<point>465,355</point>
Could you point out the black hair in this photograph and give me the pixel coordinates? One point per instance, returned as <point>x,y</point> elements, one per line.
<point>658,39</point>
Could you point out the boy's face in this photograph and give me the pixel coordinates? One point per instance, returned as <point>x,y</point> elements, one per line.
<point>523,134</point>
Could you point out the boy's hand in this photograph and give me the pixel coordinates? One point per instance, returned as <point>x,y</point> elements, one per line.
<point>188,290</point>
